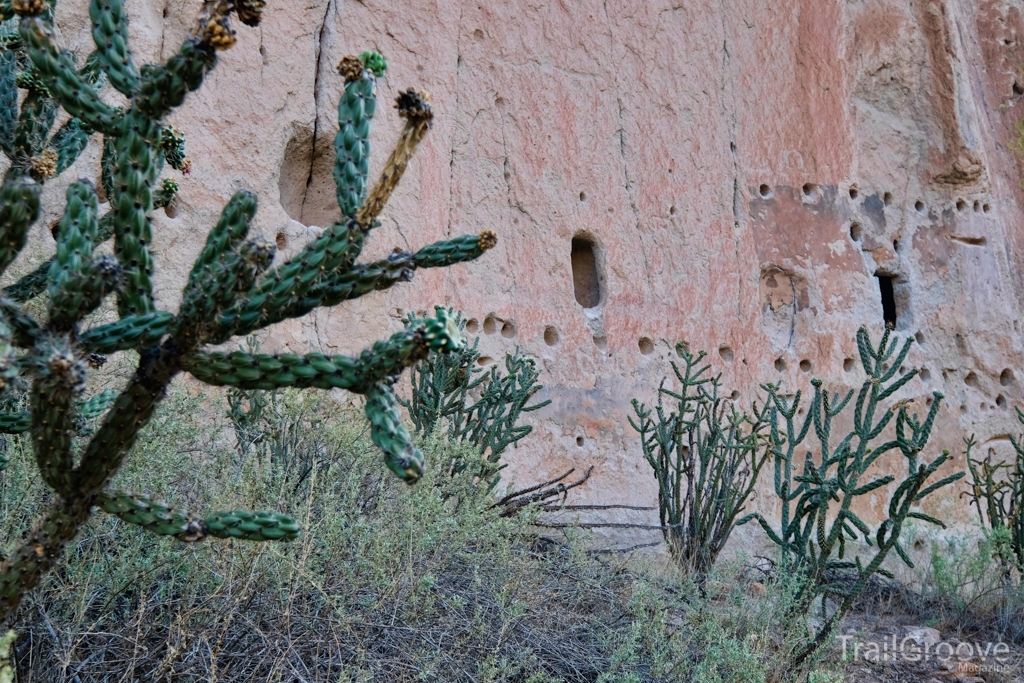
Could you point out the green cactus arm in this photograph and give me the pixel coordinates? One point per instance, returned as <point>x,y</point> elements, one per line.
<point>19,208</point>
<point>10,365</point>
<point>351,145</point>
<point>172,146</point>
<point>390,435</point>
<point>136,174</point>
<point>97,405</point>
<point>163,520</point>
<point>69,142</point>
<point>231,229</point>
<point>252,526</point>
<point>8,101</point>
<point>76,231</point>
<point>78,97</point>
<point>38,112</point>
<point>218,288</point>
<point>82,292</point>
<point>458,250</point>
<point>156,518</point>
<point>110,33</point>
<point>59,378</point>
<point>381,361</point>
<point>15,423</point>
<point>164,87</point>
<point>131,332</point>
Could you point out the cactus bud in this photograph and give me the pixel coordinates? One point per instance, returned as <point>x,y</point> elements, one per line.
<point>29,8</point>
<point>414,105</point>
<point>45,165</point>
<point>350,68</point>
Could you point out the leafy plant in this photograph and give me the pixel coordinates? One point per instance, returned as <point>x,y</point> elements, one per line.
<point>997,492</point>
<point>817,519</point>
<point>443,385</point>
<point>706,456</point>
<point>232,290</point>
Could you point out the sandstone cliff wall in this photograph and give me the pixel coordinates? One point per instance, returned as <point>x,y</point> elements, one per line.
<point>742,170</point>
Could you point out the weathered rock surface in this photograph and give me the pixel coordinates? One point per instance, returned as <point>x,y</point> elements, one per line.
<point>742,170</point>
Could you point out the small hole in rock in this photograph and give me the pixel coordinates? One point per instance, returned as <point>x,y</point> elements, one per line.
<point>583,196</point>
<point>928,401</point>
<point>1001,401</point>
<point>171,210</point>
<point>780,364</point>
<point>550,335</point>
<point>472,326</point>
<point>977,206</point>
<point>896,246</point>
<point>971,380</point>
<point>490,324</point>
<point>579,441</point>
<point>810,190</point>
<point>887,198</point>
<point>856,231</point>
<point>646,345</point>
<point>726,353</point>
<point>282,241</point>
<point>925,375</point>
<point>1006,377</point>
<point>854,192</point>
<point>765,191</point>
<point>963,408</point>
<point>849,364</point>
<point>672,210</point>
<point>508,329</point>
<point>805,365</point>
<point>983,405</point>
<point>986,208</point>
<point>735,395</point>
<point>918,544</point>
<point>961,205</point>
<point>601,342</point>
<point>1017,92</point>
<point>919,206</point>
<point>903,370</point>
<point>484,360</point>
<point>919,338</point>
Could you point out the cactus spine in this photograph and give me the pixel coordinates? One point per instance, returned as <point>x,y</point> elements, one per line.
<point>232,289</point>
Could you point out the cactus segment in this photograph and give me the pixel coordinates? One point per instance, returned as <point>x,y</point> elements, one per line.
<point>83,292</point>
<point>415,108</point>
<point>69,142</point>
<point>351,145</point>
<point>137,171</point>
<point>154,517</point>
<point>252,526</point>
<point>164,87</point>
<point>96,406</point>
<point>374,365</point>
<point>57,68</point>
<point>15,423</point>
<point>108,166</point>
<point>19,208</point>
<point>231,229</point>
<point>25,330</point>
<point>391,436</point>
<point>110,33</point>
<point>9,366</point>
<point>76,232</point>
<point>60,379</point>
<point>131,332</point>
<point>8,101</point>
<point>458,250</point>
<point>172,146</point>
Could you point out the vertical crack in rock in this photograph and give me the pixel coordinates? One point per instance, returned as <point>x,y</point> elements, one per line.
<point>513,203</point>
<point>458,111</point>
<point>321,55</point>
<point>728,99</point>
<point>163,31</point>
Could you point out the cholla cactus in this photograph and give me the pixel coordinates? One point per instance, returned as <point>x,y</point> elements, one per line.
<point>232,289</point>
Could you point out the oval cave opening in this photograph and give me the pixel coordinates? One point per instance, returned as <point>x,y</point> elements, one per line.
<point>586,280</point>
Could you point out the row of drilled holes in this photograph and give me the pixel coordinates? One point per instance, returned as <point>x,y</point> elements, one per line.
<point>810,191</point>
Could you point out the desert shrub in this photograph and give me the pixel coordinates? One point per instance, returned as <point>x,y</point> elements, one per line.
<point>706,456</point>
<point>997,494</point>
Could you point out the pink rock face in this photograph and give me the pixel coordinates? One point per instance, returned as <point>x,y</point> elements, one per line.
<point>734,175</point>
